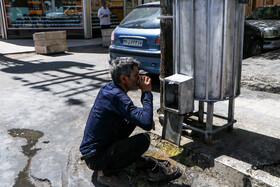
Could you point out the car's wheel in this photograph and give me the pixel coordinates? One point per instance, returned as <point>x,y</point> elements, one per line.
<point>256,48</point>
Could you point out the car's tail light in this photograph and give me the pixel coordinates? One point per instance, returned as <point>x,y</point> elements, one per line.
<point>112,36</point>
<point>153,5</point>
<point>158,39</point>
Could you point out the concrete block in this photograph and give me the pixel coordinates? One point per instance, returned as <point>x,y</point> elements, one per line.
<point>50,49</point>
<point>106,36</point>
<point>49,35</point>
<point>241,173</point>
<point>50,42</point>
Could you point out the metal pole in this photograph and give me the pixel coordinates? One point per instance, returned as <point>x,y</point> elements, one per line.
<point>209,121</point>
<point>2,21</point>
<point>231,110</point>
<point>166,44</point>
<point>200,111</point>
<point>87,19</point>
<point>231,106</point>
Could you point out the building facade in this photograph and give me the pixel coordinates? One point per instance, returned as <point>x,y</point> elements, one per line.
<point>22,18</point>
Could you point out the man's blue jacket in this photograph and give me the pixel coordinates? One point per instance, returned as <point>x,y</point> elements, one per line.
<point>111,109</point>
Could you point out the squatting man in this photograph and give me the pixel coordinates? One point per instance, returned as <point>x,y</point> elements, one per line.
<point>107,146</point>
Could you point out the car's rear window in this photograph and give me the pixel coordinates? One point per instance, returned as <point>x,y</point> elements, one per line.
<point>143,17</point>
<point>265,13</point>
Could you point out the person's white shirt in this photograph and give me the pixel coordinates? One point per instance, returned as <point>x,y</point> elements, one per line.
<point>104,20</point>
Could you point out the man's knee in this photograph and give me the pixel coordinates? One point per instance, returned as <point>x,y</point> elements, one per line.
<point>141,141</point>
<point>146,140</point>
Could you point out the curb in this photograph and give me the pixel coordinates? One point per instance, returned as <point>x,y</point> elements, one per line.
<point>71,47</point>
<point>223,168</point>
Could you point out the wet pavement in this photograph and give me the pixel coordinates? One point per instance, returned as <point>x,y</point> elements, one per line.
<point>45,101</point>
<point>31,137</point>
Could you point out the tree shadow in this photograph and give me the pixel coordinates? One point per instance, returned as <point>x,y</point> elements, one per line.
<point>62,78</point>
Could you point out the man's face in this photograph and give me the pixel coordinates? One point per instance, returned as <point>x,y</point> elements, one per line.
<point>131,83</point>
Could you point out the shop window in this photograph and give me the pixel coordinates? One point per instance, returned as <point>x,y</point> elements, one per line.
<point>44,14</point>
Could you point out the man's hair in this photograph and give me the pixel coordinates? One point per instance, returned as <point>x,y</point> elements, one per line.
<point>122,66</point>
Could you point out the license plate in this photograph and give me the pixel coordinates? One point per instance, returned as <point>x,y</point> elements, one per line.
<point>132,42</point>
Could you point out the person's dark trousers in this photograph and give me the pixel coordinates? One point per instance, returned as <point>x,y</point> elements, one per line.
<point>124,152</point>
<point>105,26</point>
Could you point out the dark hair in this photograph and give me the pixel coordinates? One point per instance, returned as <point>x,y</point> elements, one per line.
<point>122,66</point>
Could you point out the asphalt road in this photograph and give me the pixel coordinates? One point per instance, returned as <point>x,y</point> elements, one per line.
<point>45,101</point>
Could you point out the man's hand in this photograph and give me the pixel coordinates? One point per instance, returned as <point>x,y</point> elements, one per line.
<point>145,83</point>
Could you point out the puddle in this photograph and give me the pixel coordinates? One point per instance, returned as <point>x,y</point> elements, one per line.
<point>32,138</point>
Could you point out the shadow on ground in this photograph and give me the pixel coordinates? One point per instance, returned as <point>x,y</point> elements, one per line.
<point>21,42</point>
<point>270,55</point>
<point>261,151</point>
<point>56,77</point>
<point>89,49</point>
<point>137,178</point>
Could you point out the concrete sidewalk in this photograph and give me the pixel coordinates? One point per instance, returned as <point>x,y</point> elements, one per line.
<point>14,46</point>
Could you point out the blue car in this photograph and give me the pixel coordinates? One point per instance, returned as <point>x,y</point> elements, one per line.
<point>138,36</point>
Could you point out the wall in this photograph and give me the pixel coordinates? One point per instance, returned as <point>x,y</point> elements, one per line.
<point>253,4</point>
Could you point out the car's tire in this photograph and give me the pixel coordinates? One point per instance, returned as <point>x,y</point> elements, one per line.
<point>256,48</point>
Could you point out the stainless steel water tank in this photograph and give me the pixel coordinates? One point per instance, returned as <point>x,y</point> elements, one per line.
<point>208,40</point>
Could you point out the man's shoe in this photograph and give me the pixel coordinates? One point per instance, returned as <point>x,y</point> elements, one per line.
<point>163,174</point>
<point>112,181</point>
<point>147,162</point>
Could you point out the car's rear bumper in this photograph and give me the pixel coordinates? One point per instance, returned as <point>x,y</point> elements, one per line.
<point>137,52</point>
<point>271,43</point>
<point>150,60</point>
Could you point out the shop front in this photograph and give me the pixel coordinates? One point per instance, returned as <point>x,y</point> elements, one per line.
<point>22,18</point>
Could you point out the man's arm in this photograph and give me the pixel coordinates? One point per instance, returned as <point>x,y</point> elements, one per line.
<point>140,116</point>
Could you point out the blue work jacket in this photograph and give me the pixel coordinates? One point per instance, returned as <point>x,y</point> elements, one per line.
<point>112,108</point>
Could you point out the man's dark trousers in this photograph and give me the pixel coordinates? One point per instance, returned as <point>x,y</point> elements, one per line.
<point>124,152</point>
<point>105,26</point>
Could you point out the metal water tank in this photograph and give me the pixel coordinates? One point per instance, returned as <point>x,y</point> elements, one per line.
<point>208,40</point>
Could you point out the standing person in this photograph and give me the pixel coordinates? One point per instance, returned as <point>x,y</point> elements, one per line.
<point>104,15</point>
<point>106,146</point>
